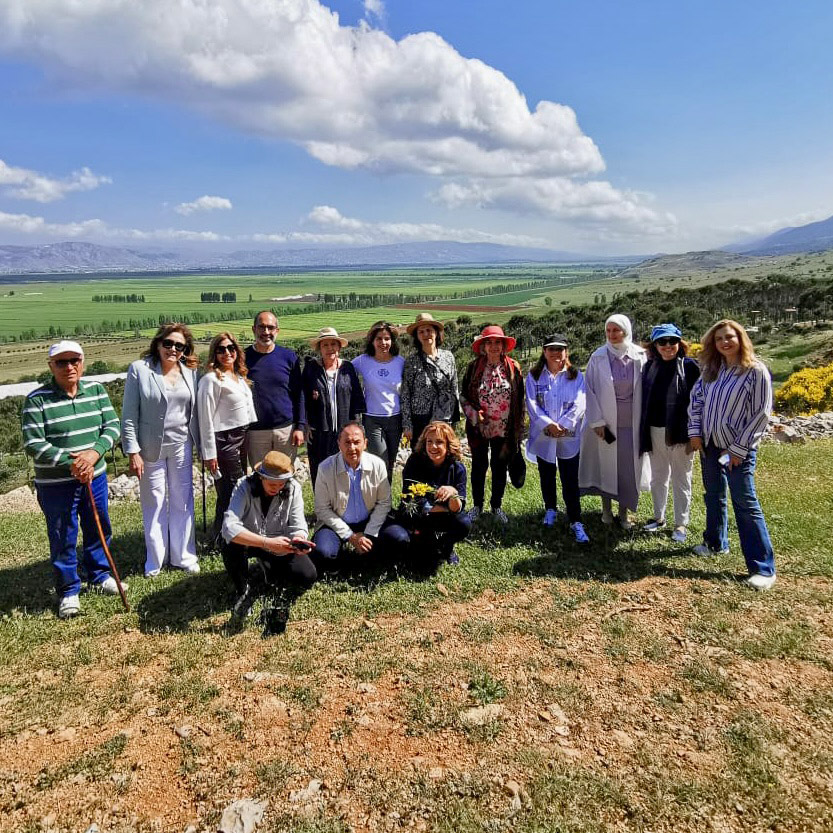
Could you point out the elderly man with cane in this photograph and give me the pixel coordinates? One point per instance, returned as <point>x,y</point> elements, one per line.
<point>68,426</point>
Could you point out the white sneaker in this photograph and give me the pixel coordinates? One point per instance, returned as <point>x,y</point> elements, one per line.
<point>704,551</point>
<point>654,526</point>
<point>679,535</point>
<point>192,569</point>
<point>607,517</point>
<point>109,587</point>
<point>500,516</point>
<point>759,582</point>
<point>69,606</point>
<point>550,517</point>
<point>580,535</point>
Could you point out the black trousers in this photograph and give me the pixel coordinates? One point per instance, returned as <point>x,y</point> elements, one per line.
<point>568,471</point>
<point>298,570</point>
<point>321,445</point>
<point>231,461</point>
<point>479,465</point>
<point>434,536</point>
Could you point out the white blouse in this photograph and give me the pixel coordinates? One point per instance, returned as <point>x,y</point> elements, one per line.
<point>222,404</point>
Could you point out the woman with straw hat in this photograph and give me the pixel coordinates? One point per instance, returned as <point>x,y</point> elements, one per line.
<point>493,402</point>
<point>332,395</point>
<point>429,379</point>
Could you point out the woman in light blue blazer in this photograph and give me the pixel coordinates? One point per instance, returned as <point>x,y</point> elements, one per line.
<point>159,428</point>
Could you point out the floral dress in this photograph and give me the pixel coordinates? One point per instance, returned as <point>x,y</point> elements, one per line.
<point>494,394</point>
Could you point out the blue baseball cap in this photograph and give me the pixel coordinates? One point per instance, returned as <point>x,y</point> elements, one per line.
<point>666,331</point>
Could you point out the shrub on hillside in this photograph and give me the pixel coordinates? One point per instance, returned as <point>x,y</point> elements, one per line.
<point>807,391</point>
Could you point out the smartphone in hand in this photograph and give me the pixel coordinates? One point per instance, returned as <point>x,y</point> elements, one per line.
<point>609,436</point>
<point>302,547</point>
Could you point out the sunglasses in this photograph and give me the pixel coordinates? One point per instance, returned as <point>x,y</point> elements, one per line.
<point>65,363</point>
<point>667,342</point>
<point>170,344</point>
<point>225,348</point>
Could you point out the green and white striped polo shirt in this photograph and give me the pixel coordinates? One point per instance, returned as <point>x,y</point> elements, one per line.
<point>55,424</point>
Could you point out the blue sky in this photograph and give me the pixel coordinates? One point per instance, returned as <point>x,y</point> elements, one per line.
<point>665,126</point>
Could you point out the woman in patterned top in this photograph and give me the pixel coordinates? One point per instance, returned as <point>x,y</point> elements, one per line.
<point>429,379</point>
<point>493,401</point>
<point>727,417</point>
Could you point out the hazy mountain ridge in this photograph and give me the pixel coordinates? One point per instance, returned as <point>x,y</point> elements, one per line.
<point>812,237</point>
<point>73,258</point>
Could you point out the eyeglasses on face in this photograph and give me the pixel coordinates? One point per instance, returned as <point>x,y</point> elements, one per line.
<point>170,344</point>
<point>667,342</point>
<point>225,348</point>
<point>64,363</point>
<point>269,328</point>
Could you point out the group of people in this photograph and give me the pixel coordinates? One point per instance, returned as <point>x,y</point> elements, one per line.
<point>631,422</point>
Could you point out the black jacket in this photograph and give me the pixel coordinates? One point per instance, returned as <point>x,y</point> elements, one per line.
<point>676,401</point>
<point>349,396</point>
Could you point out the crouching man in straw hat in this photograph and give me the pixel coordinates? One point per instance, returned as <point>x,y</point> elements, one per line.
<point>68,426</point>
<point>265,520</point>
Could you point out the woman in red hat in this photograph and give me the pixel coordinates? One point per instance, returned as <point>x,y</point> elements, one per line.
<point>493,401</point>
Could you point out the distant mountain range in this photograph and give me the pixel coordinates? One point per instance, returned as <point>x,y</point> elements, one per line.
<point>814,237</point>
<point>91,258</point>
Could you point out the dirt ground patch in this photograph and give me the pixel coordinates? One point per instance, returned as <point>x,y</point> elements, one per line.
<point>653,699</point>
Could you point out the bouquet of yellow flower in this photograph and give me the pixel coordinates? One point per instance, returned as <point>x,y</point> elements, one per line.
<point>417,499</point>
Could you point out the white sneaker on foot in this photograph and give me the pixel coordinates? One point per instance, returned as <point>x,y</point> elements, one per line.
<point>69,606</point>
<point>679,535</point>
<point>579,533</point>
<point>607,517</point>
<point>192,569</point>
<point>500,516</point>
<point>109,587</point>
<point>654,526</point>
<point>550,517</point>
<point>759,582</point>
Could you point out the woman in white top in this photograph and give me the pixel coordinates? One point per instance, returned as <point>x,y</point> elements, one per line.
<point>610,463</point>
<point>380,369</point>
<point>159,427</point>
<point>556,401</point>
<point>226,409</point>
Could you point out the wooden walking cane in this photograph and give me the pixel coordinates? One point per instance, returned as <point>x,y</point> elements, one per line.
<point>107,549</point>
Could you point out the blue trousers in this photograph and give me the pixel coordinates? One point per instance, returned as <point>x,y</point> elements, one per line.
<point>329,548</point>
<point>64,504</point>
<point>752,531</point>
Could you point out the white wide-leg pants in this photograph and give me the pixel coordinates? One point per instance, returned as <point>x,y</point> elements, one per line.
<point>670,462</point>
<point>166,491</point>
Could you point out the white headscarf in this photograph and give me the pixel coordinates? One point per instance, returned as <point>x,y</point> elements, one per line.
<point>624,347</point>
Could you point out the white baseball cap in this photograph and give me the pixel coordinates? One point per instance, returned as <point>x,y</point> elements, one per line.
<point>66,347</point>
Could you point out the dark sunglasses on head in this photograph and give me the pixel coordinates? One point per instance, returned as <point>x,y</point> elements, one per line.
<point>225,348</point>
<point>667,342</point>
<point>170,344</point>
<point>63,363</point>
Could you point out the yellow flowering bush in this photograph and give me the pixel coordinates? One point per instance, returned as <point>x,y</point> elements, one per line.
<point>807,391</point>
<point>694,349</point>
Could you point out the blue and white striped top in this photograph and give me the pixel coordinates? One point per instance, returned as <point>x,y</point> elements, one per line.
<point>732,412</point>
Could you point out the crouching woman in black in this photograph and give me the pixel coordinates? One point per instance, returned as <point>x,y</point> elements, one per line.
<point>437,525</point>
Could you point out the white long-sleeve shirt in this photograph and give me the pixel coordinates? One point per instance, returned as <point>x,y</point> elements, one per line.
<point>732,411</point>
<point>555,400</point>
<point>222,404</point>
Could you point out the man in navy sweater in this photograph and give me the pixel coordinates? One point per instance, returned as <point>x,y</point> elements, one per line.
<point>275,373</point>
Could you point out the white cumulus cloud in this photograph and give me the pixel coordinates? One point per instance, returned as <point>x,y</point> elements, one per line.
<point>25,184</point>
<point>204,203</point>
<point>374,9</point>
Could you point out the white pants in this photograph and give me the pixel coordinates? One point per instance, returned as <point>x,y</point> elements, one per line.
<point>166,491</point>
<point>674,463</point>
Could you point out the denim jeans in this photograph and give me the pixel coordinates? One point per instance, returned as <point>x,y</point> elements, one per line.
<point>754,537</point>
<point>63,505</point>
<point>383,435</point>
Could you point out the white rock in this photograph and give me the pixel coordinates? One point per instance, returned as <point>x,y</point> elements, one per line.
<point>481,715</point>
<point>242,816</point>
<point>308,793</point>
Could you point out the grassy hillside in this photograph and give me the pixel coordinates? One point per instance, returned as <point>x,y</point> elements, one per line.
<point>640,688</point>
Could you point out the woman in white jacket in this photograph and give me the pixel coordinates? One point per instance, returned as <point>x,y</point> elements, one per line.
<point>610,463</point>
<point>555,401</point>
<point>226,409</point>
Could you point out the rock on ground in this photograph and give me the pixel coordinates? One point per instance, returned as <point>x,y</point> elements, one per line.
<point>242,816</point>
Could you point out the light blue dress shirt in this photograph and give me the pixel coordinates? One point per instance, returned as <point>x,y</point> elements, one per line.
<point>356,511</point>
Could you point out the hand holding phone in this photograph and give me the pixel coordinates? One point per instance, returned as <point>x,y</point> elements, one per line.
<point>302,546</point>
<point>609,436</point>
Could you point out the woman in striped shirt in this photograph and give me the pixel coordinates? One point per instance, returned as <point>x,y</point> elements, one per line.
<point>728,415</point>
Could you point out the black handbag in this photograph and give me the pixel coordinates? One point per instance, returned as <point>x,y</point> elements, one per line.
<point>517,469</point>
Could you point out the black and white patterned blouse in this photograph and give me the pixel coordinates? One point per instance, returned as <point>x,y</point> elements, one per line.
<point>429,387</point>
